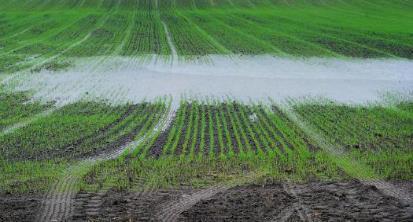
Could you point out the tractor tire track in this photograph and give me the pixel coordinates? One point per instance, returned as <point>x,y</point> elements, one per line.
<point>172,210</point>
<point>26,122</point>
<point>92,204</point>
<point>299,207</point>
<point>172,47</point>
<point>386,188</point>
<point>58,204</point>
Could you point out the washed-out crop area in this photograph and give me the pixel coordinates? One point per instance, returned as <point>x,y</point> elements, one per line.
<point>206,110</point>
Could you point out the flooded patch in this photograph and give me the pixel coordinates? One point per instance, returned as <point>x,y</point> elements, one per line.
<point>122,79</point>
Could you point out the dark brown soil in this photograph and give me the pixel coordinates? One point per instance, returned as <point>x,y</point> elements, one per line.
<point>124,206</point>
<point>19,207</point>
<point>317,201</point>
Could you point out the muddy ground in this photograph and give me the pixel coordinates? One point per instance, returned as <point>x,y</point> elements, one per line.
<point>316,201</point>
<point>19,207</point>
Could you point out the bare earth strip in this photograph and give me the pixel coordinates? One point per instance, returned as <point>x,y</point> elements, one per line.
<point>58,202</point>
<point>387,188</point>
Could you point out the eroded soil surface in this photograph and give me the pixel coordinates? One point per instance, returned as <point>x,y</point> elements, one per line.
<point>315,201</point>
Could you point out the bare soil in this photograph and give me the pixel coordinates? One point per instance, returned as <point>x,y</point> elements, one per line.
<point>315,201</point>
<point>19,207</point>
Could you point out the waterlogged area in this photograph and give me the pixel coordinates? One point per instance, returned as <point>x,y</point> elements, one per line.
<point>244,78</point>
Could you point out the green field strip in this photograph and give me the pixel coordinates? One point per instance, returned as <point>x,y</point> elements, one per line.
<point>230,130</point>
<point>150,135</point>
<point>277,146</point>
<point>203,132</point>
<point>248,147</point>
<point>221,148</point>
<point>125,130</point>
<point>358,22</point>
<point>228,39</point>
<point>324,40</point>
<point>248,34</point>
<point>146,133</point>
<point>221,48</point>
<point>292,135</point>
<point>16,107</point>
<point>172,132</point>
<point>259,136</point>
<point>228,139</point>
<point>363,41</point>
<point>127,35</point>
<point>285,145</point>
<point>382,141</point>
<point>51,59</point>
<point>234,127</point>
<point>148,36</point>
<point>330,121</point>
<point>298,28</point>
<point>180,124</point>
<point>195,130</point>
<point>202,4</point>
<point>45,50</point>
<point>288,43</point>
<point>16,24</point>
<point>212,142</point>
<point>62,127</point>
<point>245,122</point>
<point>104,37</point>
<point>188,40</point>
<point>262,129</point>
<point>298,21</point>
<point>34,38</point>
<point>187,131</point>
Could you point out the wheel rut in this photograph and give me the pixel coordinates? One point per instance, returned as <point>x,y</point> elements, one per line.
<point>386,188</point>
<point>58,204</point>
<point>26,122</point>
<point>174,53</point>
<point>172,210</point>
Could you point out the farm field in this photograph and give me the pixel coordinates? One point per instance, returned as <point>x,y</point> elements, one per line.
<point>206,110</point>
<point>38,35</point>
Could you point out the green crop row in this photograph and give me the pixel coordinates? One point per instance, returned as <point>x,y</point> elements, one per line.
<point>376,135</point>
<point>210,142</point>
<point>17,107</point>
<point>34,155</point>
<point>78,130</point>
<point>36,32</point>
